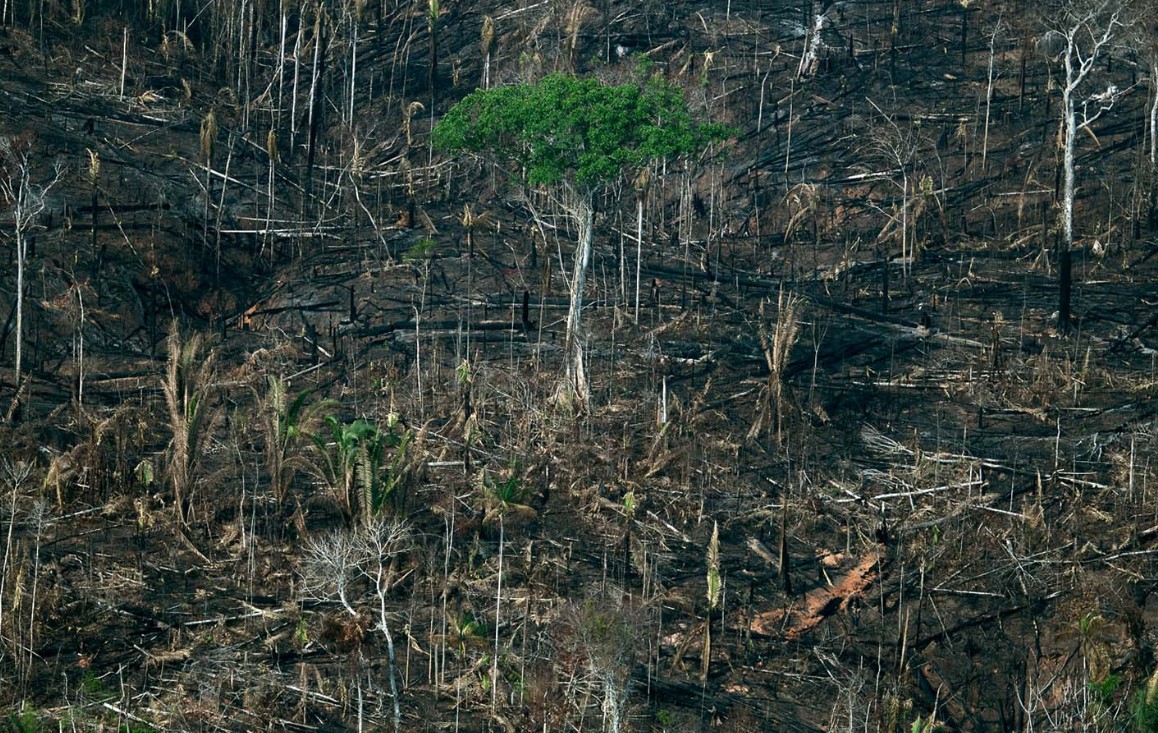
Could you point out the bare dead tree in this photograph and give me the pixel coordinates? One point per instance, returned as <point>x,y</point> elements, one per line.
<point>27,200</point>
<point>357,569</point>
<point>1077,34</point>
<point>896,146</point>
<point>813,44</point>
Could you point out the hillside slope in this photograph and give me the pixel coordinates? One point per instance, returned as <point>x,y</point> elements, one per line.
<point>928,501</point>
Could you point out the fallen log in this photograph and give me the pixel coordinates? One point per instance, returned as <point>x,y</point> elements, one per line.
<point>792,623</point>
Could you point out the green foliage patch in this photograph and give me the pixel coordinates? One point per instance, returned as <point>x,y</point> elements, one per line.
<point>566,127</point>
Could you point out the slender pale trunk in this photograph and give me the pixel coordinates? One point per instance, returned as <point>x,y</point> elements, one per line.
<point>353,67</point>
<point>80,347</point>
<point>498,611</point>
<point>584,213</point>
<point>20,254</point>
<point>638,249</point>
<point>384,627</point>
<point>244,69</point>
<point>280,72</point>
<point>16,479</point>
<point>297,75</point>
<point>1069,138</point>
<point>1065,246</point>
<point>124,59</point>
<point>1154,112</point>
<point>904,226</point>
<point>989,96</point>
<point>612,702</point>
<point>220,211</point>
<point>432,19</point>
<point>271,197</point>
<point>314,70</point>
<point>788,142</point>
<point>809,59</point>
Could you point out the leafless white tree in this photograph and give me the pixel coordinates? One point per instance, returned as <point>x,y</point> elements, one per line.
<point>357,569</point>
<point>27,200</point>
<point>810,57</point>
<point>1078,33</point>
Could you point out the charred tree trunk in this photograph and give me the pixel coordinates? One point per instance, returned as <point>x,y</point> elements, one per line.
<point>317,108</point>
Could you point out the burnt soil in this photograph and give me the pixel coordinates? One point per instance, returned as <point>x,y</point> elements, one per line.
<point>952,511</point>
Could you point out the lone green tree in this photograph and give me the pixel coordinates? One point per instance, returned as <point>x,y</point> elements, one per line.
<point>576,137</point>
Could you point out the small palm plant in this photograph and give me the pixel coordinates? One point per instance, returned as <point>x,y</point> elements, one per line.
<point>356,467</point>
<point>507,495</point>
<point>465,631</point>
<point>287,425</point>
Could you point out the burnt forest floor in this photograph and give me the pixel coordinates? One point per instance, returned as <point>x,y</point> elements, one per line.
<point>933,503</point>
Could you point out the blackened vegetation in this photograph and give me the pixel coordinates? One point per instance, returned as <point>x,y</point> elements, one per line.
<point>952,512</point>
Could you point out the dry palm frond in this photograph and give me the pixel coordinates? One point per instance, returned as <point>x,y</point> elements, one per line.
<point>1152,688</point>
<point>186,45</point>
<point>357,159</point>
<point>408,113</point>
<point>713,595</point>
<point>271,145</point>
<point>709,57</point>
<point>878,442</point>
<point>208,136</point>
<point>187,384</point>
<point>777,347</point>
<point>471,220</point>
<point>488,35</point>
<point>802,200</point>
<point>580,14</point>
<point>643,180</point>
<point>94,165</point>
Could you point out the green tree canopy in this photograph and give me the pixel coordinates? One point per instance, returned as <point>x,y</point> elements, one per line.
<point>565,128</point>
<point>577,135</point>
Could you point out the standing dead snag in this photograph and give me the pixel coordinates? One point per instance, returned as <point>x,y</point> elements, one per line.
<point>1151,51</point>
<point>1078,33</point>
<point>896,148</point>
<point>487,39</point>
<point>606,628</point>
<point>432,14</point>
<point>813,44</point>
<point>27,200</point>
<point>357,569</point>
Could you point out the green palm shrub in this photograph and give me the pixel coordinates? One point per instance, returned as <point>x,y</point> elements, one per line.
<point>358,467</point>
